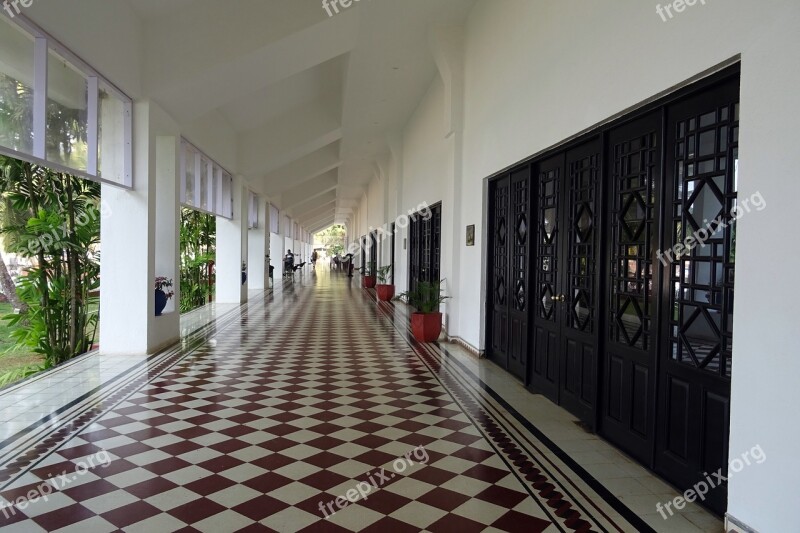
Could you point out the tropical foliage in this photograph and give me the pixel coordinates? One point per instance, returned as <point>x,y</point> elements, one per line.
<point>53,219</point>
<point>198,250</point>
<point>333,239</point>
<point>425,297</point>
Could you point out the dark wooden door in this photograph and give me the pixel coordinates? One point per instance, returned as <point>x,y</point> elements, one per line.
<point>578,308</point>
<point>510,228</point>
<point>425,246</point>
<point>698,296</point>
<point>565,324</point>
<point>548,274</point>
<point>392,252</point>
<point>498,282</point>
<point>629,384</point>
<point>373,252</point>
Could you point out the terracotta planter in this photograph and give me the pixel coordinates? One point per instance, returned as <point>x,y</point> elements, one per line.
<point>370,281</point>
<point>385,292</point>
<point>426,327</point>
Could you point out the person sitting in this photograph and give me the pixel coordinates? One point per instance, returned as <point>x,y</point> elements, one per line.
<point>288,263</point>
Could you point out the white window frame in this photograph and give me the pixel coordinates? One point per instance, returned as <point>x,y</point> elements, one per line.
<point>219,183</point>
<point>44,43</point>
<point>252,210</point>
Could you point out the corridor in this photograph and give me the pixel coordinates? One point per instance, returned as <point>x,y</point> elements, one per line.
<point>313,410</point>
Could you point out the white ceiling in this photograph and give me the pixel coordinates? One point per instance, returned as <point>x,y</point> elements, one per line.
<point>311,98</point>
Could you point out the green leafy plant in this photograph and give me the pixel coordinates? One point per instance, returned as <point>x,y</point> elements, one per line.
<point>59,232</point>
<point>198,250</point>
<point>370,269</point>
<point>384,274</point>
<point>425,297</point>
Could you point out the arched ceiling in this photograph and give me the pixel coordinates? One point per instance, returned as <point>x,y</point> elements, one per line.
<point>310,98</point>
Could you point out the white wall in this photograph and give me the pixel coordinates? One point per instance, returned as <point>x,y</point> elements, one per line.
<point>537,73</point>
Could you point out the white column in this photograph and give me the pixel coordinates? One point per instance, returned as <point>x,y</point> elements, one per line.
<point>166,245</point>
<point>232,249</point>
<point>139,241</point>
<point>127,290</point>
<point>276,253</point>
<point>258,249</point>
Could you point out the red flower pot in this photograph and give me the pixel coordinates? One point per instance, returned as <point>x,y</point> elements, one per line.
<point>370,281</point>
<point>426,327</point>
<point>385,292</point>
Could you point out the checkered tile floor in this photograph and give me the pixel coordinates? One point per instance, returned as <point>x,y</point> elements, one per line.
<point>298,402</point>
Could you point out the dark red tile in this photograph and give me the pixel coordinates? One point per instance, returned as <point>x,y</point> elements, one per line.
<point>375,458</point>
<point>443,499</point>
<point>502,496</point>
<point>268,482</point>
<point>432,475</point>
<point>238,431</point>
<point>452,523</point>
<point>260,507</point>
<point>78,452</point>
<point>90,490</point>
<point>323,480</point>
<point>179,448</point>
<point>220,464</point>
<point>384,501</point>
<point>275,461</point>
<point>130,514</point>
<point>151,487</point>
<point>64,517</point>
<point>485,473</point>
<point>515,522</point>
<point>325,443</point>
<point>390,525</point>
<point>209,485</point>
<point>230,446</point>
<point>197,510</point>
<point>165,466</point>
<point>129,450</point>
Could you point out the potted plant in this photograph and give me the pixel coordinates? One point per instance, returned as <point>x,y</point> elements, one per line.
<point>384,288</point>
<point>370,279</point>
<point>426,323</point>
<point>163,296</point>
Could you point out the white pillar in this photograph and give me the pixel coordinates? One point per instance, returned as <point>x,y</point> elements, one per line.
<point>258,249</point>
<point>232,249</point>
<point>139,240</point>
<point>276,253</point>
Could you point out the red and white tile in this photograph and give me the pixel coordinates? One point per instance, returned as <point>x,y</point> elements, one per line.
<point>285,408</point>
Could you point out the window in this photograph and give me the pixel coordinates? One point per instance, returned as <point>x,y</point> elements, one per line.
<point>16,88</point>
<point>205,185</point>
<point>274,219</point>
<point>57,111</point>
<point>252,208</point>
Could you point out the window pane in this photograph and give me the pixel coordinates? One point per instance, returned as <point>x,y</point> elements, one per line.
<point>111,137</point>
<point>204,168</point>
<point>67,117</point>
<point>16,88</point>
<point>189,163</point>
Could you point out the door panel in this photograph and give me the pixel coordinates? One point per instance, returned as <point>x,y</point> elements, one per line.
<point>508,263</point>
<point>425,241</point>
<point>520,259</point>
<point>580,283</point>
<point>545,372</point>
<point>498,268</point>
<point>634,156</point>
<point>698,296</point>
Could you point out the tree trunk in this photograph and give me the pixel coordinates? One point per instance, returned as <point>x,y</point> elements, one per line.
<point>9,289</point>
